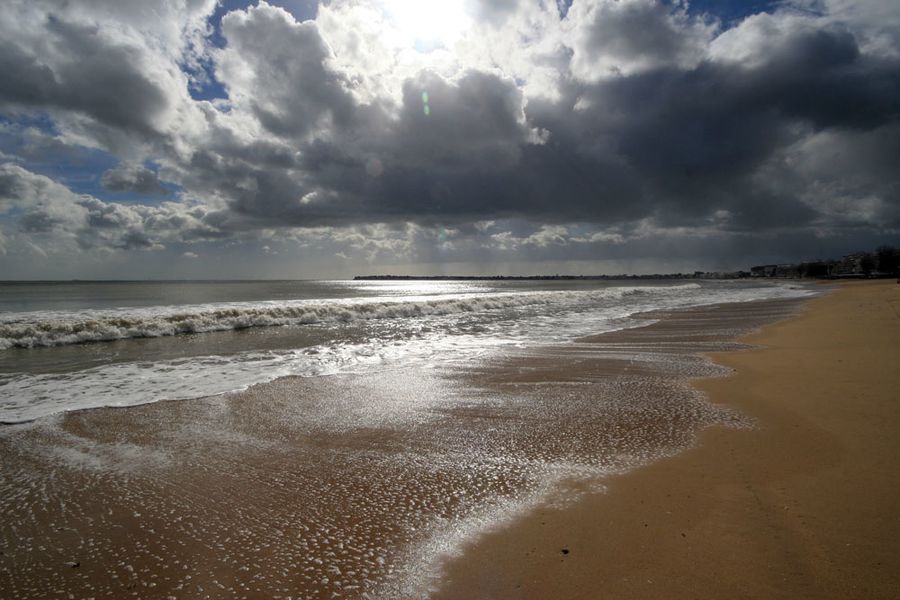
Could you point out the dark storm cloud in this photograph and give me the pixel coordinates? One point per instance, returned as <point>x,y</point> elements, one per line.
<point>634,119</point>
<point>683,144</point>
<point>474,123</point>
<point>669,141</point>
<point>91,77</point>
<point>620,37</point>
<point>697,137</point>
<point>439,156</point>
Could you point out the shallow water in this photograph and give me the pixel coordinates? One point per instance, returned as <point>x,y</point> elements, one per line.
<point>349,485</point>
<point>79,345</point>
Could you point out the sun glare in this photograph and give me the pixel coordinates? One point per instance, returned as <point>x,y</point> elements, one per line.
<point>428,24</point>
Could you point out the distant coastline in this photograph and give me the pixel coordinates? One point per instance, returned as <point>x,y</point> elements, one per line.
<point>544,277</point>
<point>884,262</point>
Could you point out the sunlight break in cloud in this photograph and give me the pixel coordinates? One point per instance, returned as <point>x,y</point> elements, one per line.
<point>573,129</point>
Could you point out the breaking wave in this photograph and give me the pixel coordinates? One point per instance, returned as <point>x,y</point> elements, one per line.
<point>29,330</point>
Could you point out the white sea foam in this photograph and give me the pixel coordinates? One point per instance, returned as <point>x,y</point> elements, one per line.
<point>412,330</point>
<point>25,397</point>
<point>46,328</point>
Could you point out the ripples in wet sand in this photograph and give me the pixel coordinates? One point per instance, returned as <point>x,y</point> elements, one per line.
<point>352,485</point>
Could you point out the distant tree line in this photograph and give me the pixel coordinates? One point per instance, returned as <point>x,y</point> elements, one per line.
<point>887,259</point>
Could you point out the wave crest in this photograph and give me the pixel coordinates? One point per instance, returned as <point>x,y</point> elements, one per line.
<point>38,329</point>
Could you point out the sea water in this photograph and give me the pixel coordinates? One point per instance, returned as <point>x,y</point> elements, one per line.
<point>419,416</point>
<point>77,345</point>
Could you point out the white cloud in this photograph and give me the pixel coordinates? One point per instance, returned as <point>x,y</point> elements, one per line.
<point>620,113</point>
<point>44,209</point>
<point>625,37</point>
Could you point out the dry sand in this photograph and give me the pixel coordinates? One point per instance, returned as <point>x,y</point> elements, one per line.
<point>804,505</point>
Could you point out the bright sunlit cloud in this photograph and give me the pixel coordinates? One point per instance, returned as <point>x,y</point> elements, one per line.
<point>347,134</point>
<point>428,24</point>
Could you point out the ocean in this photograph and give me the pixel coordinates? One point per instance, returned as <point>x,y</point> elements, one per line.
<point>323,439</point>
<point>75,345</point>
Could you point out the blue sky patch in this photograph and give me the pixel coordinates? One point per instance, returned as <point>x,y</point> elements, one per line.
<point>730,12</point>
<point>33,140</point>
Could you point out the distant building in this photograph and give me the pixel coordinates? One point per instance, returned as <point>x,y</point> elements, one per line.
<point>884,262</point>
<point>815,268</point>
<point>858,264</point>
<point>787,270</point>
<point>763,271</point>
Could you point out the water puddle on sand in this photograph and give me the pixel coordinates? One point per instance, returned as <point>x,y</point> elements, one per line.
<point>347,485</point>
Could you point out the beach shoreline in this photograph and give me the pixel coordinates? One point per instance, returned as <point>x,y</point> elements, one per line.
<point>359,482</point>
<point>803,505</point>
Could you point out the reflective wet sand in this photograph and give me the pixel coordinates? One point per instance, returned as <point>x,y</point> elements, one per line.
<point>347,485</point>
<point>801,505</point>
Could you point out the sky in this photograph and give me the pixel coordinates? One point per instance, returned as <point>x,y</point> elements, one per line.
<point>296,139</point>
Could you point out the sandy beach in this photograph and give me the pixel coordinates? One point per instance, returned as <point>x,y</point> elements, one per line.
<point>596,468</point>
<point>463,300</point>
<point>803,505</point>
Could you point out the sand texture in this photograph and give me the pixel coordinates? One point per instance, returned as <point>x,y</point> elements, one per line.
<point>804,505</point>
<point>354,485</point>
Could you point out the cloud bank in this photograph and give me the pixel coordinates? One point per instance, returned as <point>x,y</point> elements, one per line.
<point>613,133</point>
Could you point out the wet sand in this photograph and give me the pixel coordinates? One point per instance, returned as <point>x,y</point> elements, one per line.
<point>361,485</point>
<point>804,505</point>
